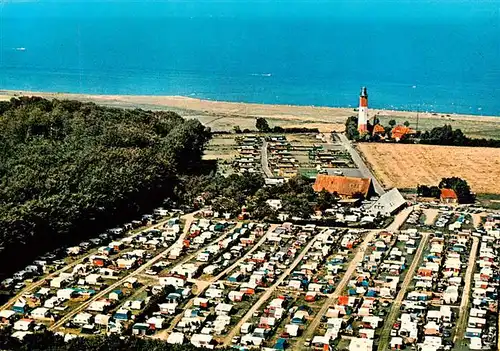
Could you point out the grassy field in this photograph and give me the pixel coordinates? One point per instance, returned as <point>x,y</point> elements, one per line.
<point>407,165</point>
<point>489,200</point>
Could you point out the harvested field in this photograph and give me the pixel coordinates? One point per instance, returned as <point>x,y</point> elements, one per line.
<point>406,165</point>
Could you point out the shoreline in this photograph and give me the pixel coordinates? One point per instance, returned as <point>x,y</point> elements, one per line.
<point>239,108</point>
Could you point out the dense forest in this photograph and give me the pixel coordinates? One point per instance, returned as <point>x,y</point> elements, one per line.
<point>69,169</point>
<point>50,341</point>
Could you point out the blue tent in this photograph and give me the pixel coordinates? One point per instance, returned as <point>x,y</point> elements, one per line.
<point>280,344</point>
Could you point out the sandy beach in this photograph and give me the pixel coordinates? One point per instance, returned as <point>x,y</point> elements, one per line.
<point>220,115</point>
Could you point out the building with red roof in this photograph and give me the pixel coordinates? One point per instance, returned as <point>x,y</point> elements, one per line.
<point>448,196</point>
<point>345,187</point>
<point>398,132</point>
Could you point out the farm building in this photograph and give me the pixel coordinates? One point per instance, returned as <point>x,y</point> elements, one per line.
<point>345,187</point>
<point>448,196</point>
<point>388,203</point>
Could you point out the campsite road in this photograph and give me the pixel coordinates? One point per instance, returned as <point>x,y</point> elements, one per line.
<point>267,294</point>
<point>384,337</point>
<point>264,161</point>
<point>462,313</point>
<point>342,284</point>
<point>188,220</point>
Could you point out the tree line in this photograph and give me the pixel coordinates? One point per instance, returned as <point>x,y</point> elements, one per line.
<point>70,169</point>
<point>445,135</point>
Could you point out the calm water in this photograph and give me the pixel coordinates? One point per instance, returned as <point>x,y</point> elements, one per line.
<point>415,54</point>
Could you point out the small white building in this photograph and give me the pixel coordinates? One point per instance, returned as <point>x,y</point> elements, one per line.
<point>24,324</point>
<point>82,318</point>
<point>40,313</point>
<point>175,338</point>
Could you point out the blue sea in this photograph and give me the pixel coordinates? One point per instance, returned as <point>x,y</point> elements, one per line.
<point>441,55</point>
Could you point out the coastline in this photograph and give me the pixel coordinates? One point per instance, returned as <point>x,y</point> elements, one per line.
<point>222,115</point>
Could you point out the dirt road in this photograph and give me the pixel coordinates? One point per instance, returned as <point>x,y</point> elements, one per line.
<point>462,313</point>
<point>342,284</point>
<point>31,287</point>
<point>430,216</point>
<point>384,337</point>
<point>267,294</point>
<point>400,218</point>
<point>264,162</point>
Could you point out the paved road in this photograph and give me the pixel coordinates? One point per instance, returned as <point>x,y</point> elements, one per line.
<point>31,287</point>
<point>309,333</point>
<point>363,168</point>
<point>384,337</point>
<point>264,162</point>
<point>188,220</point>
<point>267,294</point>
<point>462,314</point>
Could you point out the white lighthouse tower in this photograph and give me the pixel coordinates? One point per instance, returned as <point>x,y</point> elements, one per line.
<point>363,111</point>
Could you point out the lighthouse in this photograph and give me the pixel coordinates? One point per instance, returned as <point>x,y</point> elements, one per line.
<point>363,111</point>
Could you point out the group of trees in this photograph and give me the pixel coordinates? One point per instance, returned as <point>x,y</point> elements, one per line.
<point>263,126</point>
<point>50,341</point>
<point>445,135</point>
<point>460,186</point>
<point>230,194</point>
<point>351,128</point>
<point>69,169</point>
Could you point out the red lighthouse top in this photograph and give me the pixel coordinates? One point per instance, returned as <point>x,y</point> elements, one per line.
<point>363,98</point>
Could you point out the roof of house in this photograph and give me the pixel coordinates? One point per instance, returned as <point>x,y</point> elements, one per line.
<point>347,186</point>
<point>398,131</point>
<point>378,129</point>
<point>448,194</point>
<point>388,202</point>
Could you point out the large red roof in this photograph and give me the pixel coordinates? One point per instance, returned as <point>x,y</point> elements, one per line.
<point>344,186</point>
<point>448,194</point>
